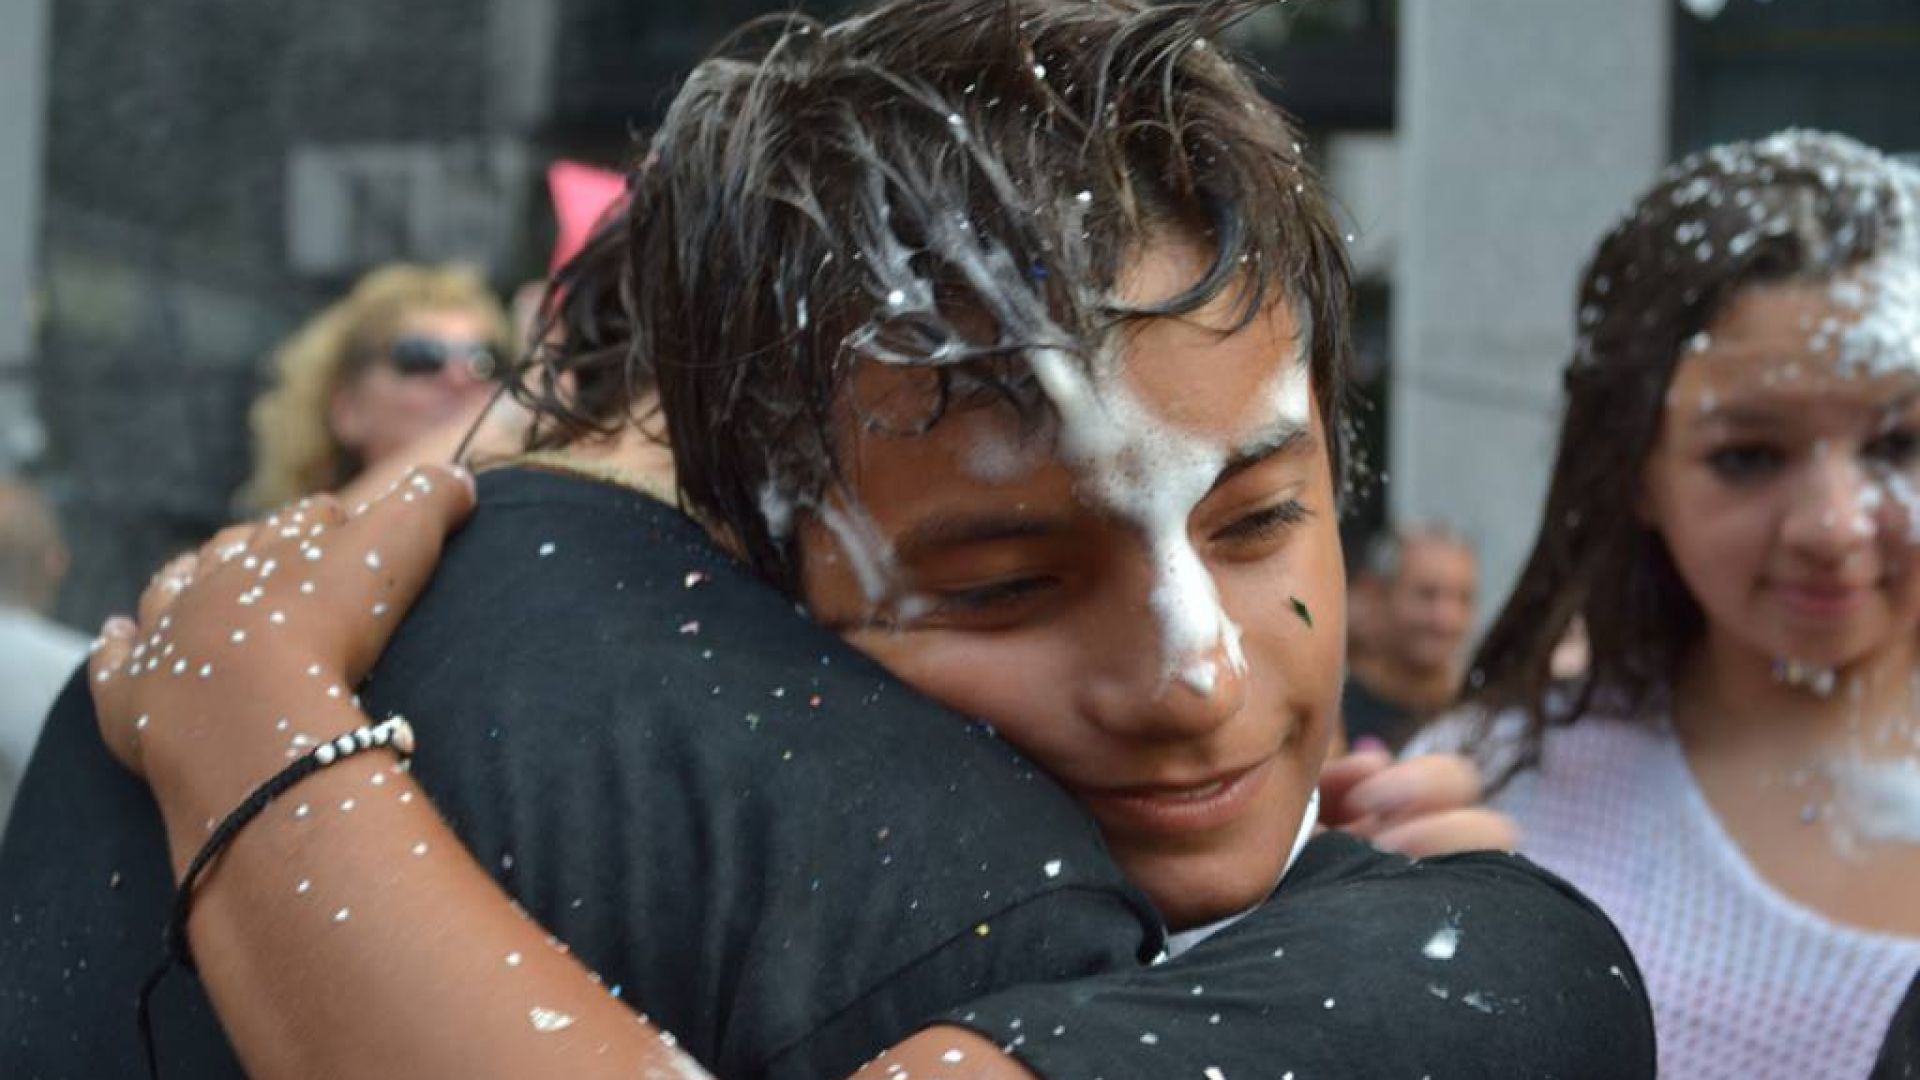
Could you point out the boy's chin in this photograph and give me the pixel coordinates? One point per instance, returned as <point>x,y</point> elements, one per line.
<point>1195,889</point>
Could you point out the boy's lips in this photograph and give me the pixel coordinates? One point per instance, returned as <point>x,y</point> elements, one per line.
<point>1178,809</point>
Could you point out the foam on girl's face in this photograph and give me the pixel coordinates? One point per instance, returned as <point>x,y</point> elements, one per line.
<point>1883,298</point>
<point>1878,800</point>
<point>1834,366</point>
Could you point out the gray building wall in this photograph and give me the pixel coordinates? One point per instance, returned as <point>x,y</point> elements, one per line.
<point>23,69</point>
<point>169,233</point>
<point>1526,126</point>
<point>216,170</point>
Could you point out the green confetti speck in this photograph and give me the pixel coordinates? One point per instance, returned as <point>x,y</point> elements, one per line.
<point>1300,609</point>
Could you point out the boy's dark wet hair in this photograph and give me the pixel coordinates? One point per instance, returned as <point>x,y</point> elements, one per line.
<point>944,185</point>
<point>1798,206</point>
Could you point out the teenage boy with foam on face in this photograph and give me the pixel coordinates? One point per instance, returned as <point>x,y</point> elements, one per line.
<point>959,417</point>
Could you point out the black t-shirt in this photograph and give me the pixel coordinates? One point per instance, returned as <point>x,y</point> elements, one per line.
<point>784,856</point>
<point>1900,1055</point>
<point>1361,965</point>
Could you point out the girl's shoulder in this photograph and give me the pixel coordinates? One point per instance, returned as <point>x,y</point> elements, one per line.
<point>1503,742</point>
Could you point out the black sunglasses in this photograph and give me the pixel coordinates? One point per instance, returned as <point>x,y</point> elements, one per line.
<point>419,355</point>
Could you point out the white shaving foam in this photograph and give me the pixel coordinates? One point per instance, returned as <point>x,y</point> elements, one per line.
<point>1001,458</point>
<point>1886,337</point>
<point>866,548</point>
<point>1154,475</point>
<point>1880,799</point>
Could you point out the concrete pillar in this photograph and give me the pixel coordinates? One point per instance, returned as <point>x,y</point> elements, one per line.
<point>23,77</point>
<point>1526,126</point>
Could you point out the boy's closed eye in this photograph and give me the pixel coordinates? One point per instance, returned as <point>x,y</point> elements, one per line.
<point>1264,524</point>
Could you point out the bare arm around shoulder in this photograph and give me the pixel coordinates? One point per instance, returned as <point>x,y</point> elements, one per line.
<point>345,931</point>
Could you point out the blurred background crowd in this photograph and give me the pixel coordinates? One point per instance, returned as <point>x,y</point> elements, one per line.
<point>247,249</point>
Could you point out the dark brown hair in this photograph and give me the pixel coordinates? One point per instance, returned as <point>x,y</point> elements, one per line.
<point>942,184</point>
<point>1794,206</point>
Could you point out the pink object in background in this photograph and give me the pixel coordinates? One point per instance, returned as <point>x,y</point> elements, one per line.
<point>582,195</point>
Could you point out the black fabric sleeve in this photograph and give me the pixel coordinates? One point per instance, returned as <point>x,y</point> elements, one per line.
<point>771,846</point>
<point>747,829</point>
<point>85,887</point>
<point>1066,935</point>
<point>1363,966</point>
<point>1900,1054</point>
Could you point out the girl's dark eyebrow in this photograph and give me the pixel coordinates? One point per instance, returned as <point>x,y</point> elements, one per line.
<point>1739,416</point>
<point>1747,417</point>
<point>1900,404</point>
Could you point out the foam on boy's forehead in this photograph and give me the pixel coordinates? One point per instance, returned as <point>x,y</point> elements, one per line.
<point>1128,459</point>
<point>951,254</point>
<point>1153,474</point>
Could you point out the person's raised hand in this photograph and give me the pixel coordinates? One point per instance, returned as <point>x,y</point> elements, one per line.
<point>246,653</point>
<point>1423,806</point>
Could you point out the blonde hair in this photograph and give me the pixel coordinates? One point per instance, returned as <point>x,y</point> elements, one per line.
<point>295,451</point>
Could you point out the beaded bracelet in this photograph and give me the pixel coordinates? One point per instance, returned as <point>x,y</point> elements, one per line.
<point>394,733</point>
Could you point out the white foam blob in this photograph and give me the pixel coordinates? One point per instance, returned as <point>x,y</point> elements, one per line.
<point>1880,800</point>
<point>1443,944</point>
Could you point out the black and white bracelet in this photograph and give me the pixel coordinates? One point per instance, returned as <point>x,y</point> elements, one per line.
<point>392,733</point>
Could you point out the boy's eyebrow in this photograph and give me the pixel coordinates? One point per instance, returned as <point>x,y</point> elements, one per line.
<point>962,529</point>
<point>954,530</point>
<point>1282,437</point>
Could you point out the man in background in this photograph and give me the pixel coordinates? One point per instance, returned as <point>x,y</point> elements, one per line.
<point>36,654</point>
<point>1418,585</point>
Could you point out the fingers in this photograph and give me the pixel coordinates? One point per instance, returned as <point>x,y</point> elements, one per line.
<point>166,586</point>
<point>1339,778</point>
<point>387,552</point>
<point>1475,829</point>
<point>1404,790</point>
<point>108,677</point>
<point>227,545</point>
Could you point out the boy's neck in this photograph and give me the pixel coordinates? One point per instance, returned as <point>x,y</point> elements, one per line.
<point>636,456</point>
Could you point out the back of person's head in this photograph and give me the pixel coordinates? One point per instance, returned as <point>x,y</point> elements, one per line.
<point>1386,552</point>
<point>942,185</point>
<point>33,559</point>
<point>1794,207</point>
<point>296,450</point>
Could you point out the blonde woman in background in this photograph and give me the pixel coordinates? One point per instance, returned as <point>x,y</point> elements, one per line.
<point>393,374</point>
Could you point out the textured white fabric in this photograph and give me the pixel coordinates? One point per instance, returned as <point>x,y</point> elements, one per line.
<point>1745,982</point>
<point>36,659</point>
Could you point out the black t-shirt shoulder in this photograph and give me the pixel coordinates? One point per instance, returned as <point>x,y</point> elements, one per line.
<point>748,830</point>
<point>1361,964</point>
